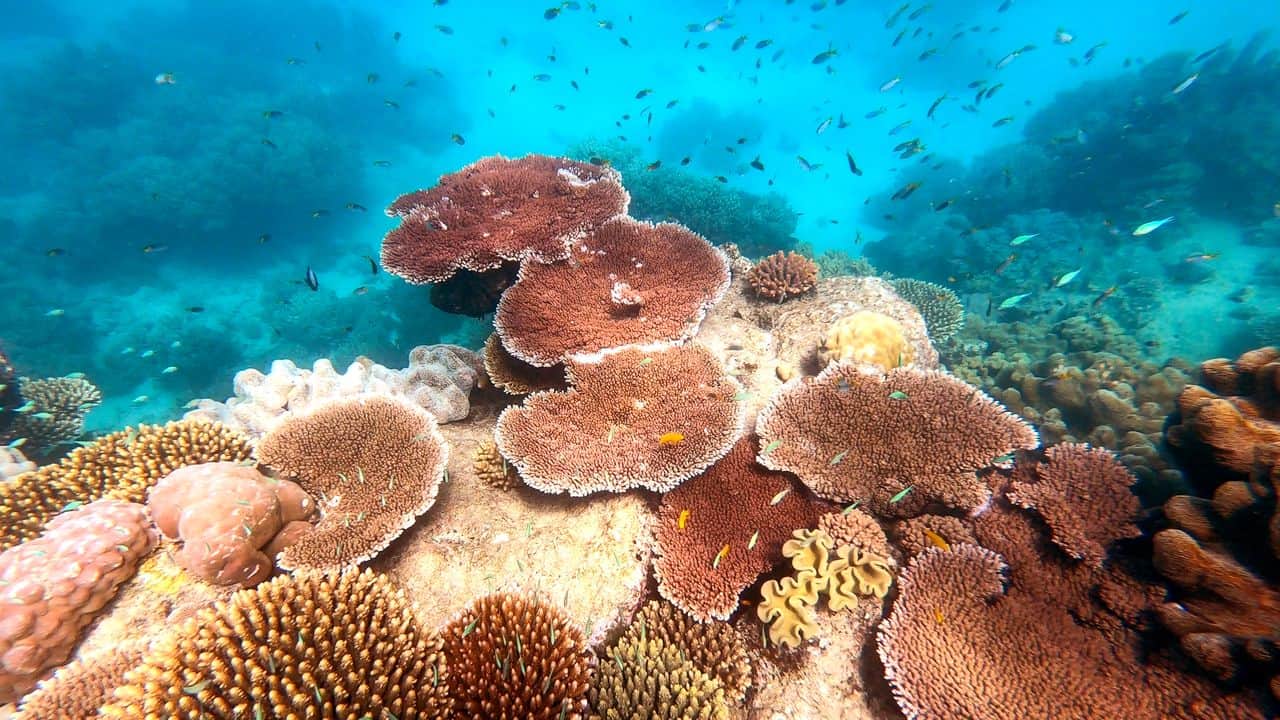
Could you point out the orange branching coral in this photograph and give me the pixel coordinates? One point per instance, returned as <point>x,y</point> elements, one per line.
<point>76,691</point>
<point>499,209</point>
<point>629,282</point>
<point>896,442</point>
<point>631,419</point>
<point>783,275</point>
<point>515,376</point>
<point>375,462</point>
<point>736,504</point>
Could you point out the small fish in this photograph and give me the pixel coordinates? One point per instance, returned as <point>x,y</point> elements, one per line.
<point>1004,264</point>
<point>362,290</point>
<point>196,309</point>
<point>371,78</point>
<point>824,56</point>
<point>319,213</point>
<point>141,399</point>
<point>898,496</point>
<point>551,13</point>
<point>444,29</point>
<point>1097,302</point>
<point>376,163</point>
<point>937,614</point>
<point>458,139</point>
<point>755,538</point>
<point>682,520</point>
<point>778,498</point>
<point>1177,18</point>
<point>810,167</point>
<point>1004,61</point>
<point>763,44</point>
<point>771,447</point>
<point>42,416</point>
<point>937,540</point>
<point>1200,257</point>
<point>876,113</point>
<point>1150,227</point>
<point>625,42</point>
<point>644,93</point>
<point>1093,52</point>
<point>357,207</point>
<point>853,166</point>
<point>905,191</point>
<point>936,103</point>
<point>147,354</point>
<point>896,14</point>
<point>685,160</point>
<point>653,165</point>
<point>900,127</point>
<point>166,79</point>
<point>26,407</point>
<point>897,394</point>
<point>1185,83</point>
<point>1062,37</point>
<point>169,370</point>
<point>1002,121</point>
<point>127,351</point>
<point>373,264</point>
<point>670,438</point>
<point>891,84</point>
<point>1013,301</point>
<point>737,44</point>
<point>272,114</point>
<point>927,54</point>
<point>1004,6</point>
<point>757,164</point>
<point>920,11</point>
<point>1023,238</point>
<point>267,143</point>
<point>312,281</point>
<point>55,252</point>
<point>56,312</point>
<point>15,444</point>
<point>148,249</point>
<point>838,457</point>
<point>1066,278</point>
<point>822,126</point>
<point>940,206</point>
<point>724,552</point>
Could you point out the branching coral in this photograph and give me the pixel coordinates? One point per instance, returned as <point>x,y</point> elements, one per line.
<point>498,209</point>
<point>304,645</point>
<point>493,469</point>
<point>646,676</point>
<point>628,282</point>
<point>375,462</point>
<point>783,275</point>
<point>512,656</point>
<point>714,648</point>
<point>515,376</point>
<point>941,308</point>
<point>897,442</point>
<point>632,419</point>
<point>53,410</point>
<point>77,690</point>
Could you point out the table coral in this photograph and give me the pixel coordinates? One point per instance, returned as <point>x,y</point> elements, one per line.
<point>867,338</point>
<point>517,377</point>
<point>634,418</point>
<point>499,209</point>
<point>783,275</point>
<point>627,282</point>
<point>897,442</point>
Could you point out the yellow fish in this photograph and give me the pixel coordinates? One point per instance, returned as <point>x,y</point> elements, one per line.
<point>670,438</point>
<point>724,552</point>
<point>682,520</point>
<point>937,540</point>
<point>937,615</point>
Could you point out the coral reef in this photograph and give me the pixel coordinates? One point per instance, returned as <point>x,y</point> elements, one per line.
<point>916,534</point>
<point>376,463</point>
<point>718,532</point>
<point>499,209</point>
<point>646,676</point>
<point>302,645</point>
<point>231,519</point>
<point>502,637</point>
<point>53,411</point>
<point>632,419</point>
<point>77,690</point>
<point>857,529</point>
<point>941,308</point>
<point>517,377</point>
<point>867,338</point>
<point>55,584</point>
<point>493,469</point>
<point>897,442</point>
<point>783,275</point>
<point>122,465</point>
<point>713,648</point>
<point>474,294</point>
<point>627,282</point>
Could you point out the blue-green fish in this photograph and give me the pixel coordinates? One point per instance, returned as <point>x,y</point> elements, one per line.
<point>1023,238</point>
<point>1150,227</point>
<point>1067,277</point>
<point>1012,301</point>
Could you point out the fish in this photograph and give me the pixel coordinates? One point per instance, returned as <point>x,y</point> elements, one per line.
<point>312,281</point>
<point>371,78</point>
<point>1013,300</point>
<point>991,91</point>
<point>822,126</point>
<point>147,353</point>
<point>381,164</point>
<point>1177,18</point>
<point>737,44</point>
<point>1066,278</point>
<point>898,496</point>
<point>1185,83</point>
<point>1062,37</point>
<point>837,458</point>
<point>644,93</point>
<point>771,447</point>
<point>1207,54</point>
<point>357,207</point>
<point>373,264</point>
<point>319,213</point>
<point>169,370</point>
<point>1105,294</point>
<point>653,165</point>
<point>362,290</point>
<point>920,11</point>
<point>891,84</point>
<point>940,206</point>
<point>1004,61</point>
<point>808,166</point>
<point>876,113</point>
<point>1200,257</point>
<point>542,77</point>
<point>195,309</point>
<point>16,443</point>
<point>551,13</point>
<point>141,399</point>
<point>26,407</point>
<point>755,538</point>
<point>267,142</point>
<point>1004,6</point>
<point>757,164</point>
<point>724,552</point>
<point>154,248</point>
<point>458,139</point>
<point>1150,227</point>
<point>899,127</point>
<point>444,29</point>
<point>55,252</point>
<point>937,540</point>
<point>896,14</point>
<point>824,56</point>
<point>937,614</point>
<point>670,438</point>
<point>166,79</point>
<point>272,114</point>
<point>56,312</point>
<point>897,394</point>
<point>1093,51</point>
<point>625,42</point>
<point>686,160</point>
<point>778,497</point>
<point>853,166</point>
<point>1023,238</point>
<point>1002,121</point>
<point>934,106</point>
<point>763,44</point>
<point>905,191</point>
<point>927,54</point>
<point>682,520</point>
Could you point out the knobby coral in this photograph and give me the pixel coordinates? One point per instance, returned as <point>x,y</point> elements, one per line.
<point>375,462</point>
<point>630,419</point>
<point>783,275</point>
<point>77,690</point>
<point>897,441</point>
<point>499,209</point>
<point>628,282</point>
<point>493,469</point>
<point>940,306</point>
<point>714,648</point>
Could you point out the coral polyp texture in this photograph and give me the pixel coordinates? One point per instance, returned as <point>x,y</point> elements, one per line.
<point>718,532</point>
<point>783,275</point>
<point>493,469</point>
<point>499,209</point>
<point>53,586</point>
<point>647,676</point>
<point>375,463</point>
<point>77,690</point>
<point>122,465</point>
<point>54,411</point>
<point>627,282</point>
<point>517,377</point>
<point>897,442</point>
<point>633,418</point>
<point>714,648</point>
<point>867,338</point>
<point>940,306</point>
<point>309,645</point>
<point>516,657</point>
<point>227,516</point>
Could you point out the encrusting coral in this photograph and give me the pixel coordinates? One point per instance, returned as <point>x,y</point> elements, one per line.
<point>499,209</point>
<point>54,585</point>
<point>516,656</point>
<point>517,377</point>
<point>896,442</point>
<point>77,690</point>
<point>376,464</point>
<point>626,282</point>
<point>304,645</point>
<point>635,418</point>
<point>940,306</point>
<point>122,465</point>
<point>867,338</point>
<point>54,411</point>
<point>783,275</point>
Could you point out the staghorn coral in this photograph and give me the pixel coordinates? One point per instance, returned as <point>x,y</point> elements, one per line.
<point>493,469</point>
<point>122,465</point>
<point>644,676</point>
<point>77,690</point>
<point>375,462</point>
<point>54,585</point>
<point>632,419</point>
<point>499,209</point>
<point>628,282</point>
<point>730,505</point>
<point>517,657</point>
<point>517,377</point>
<point>783,275</point>
<point>941,308</point>
<point>855,435</point>
<point>304,645</point>
<point>867,338</point>
<point>55,410</point>
<point>227,516</point>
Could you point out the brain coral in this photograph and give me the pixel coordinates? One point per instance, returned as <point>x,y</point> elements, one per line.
<point>730,505</point>
<point>53,586</point>
<point>375,462</point>
<point>514,657</point>
<point>783,275</point>
<point>56,410</point>
<point>869,338</point>
<point>308,645</point>
<point>630,419</point>
<point>628,282</point>
<point>499,209</point>
<point>122,465</point>
<point>941,308</point>
<point>897,441</point>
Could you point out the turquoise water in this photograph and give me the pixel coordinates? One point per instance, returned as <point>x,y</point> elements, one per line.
<point>150,224</point>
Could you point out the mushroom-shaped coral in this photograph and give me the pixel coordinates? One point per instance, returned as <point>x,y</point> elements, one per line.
<point>897,441</point>
<point>226,514</point>
<point>514,656</point>
<point>735,504</point>
<point>299,646</point>
<point>630,419</point>
<point>941,308</point>
<point>375,462</point>
<point>54,410</point>
<point>868,338</point>
<point>122,465</point>
<point>629,282</point>
<point>77,690</point>
<point>515,376</point>
<point>783,275</point>
<point>53,586</point>
<point>499,209</point>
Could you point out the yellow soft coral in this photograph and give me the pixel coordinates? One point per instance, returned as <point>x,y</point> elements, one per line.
<point>867,337</point>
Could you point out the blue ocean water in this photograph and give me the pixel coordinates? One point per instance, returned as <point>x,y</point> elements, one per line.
<point>174,168</point>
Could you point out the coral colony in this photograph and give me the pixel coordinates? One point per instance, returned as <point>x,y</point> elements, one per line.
<point>674,484</point>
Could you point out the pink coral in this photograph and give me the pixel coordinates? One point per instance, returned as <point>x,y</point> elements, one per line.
<point>53,586</point>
